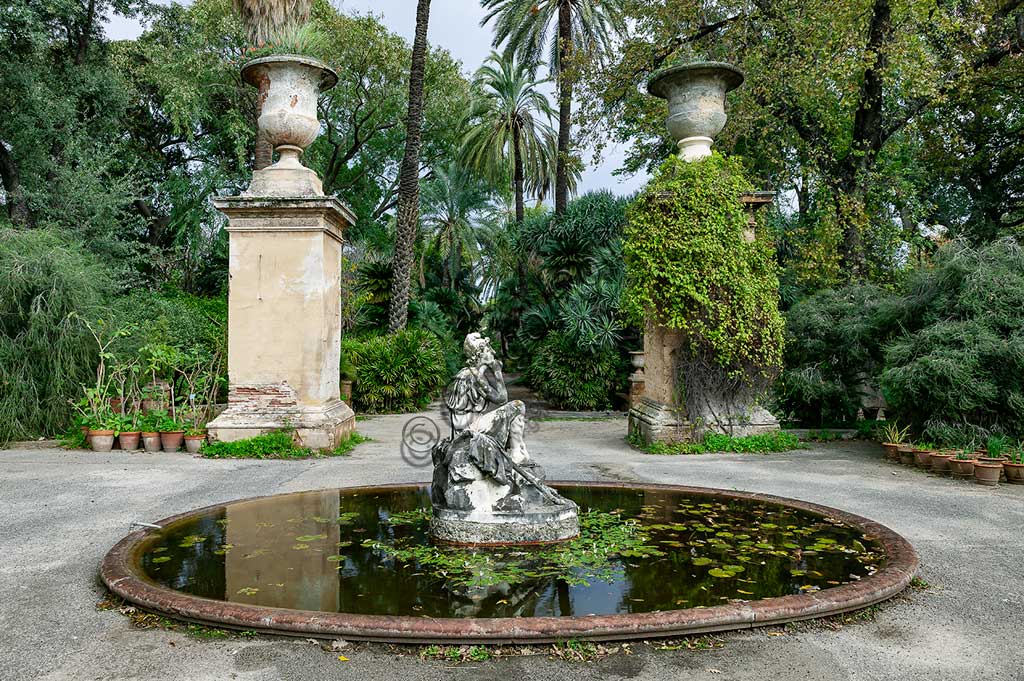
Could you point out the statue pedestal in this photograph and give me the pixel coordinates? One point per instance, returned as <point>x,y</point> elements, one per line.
<point>544,525</point>
<point>284,319</point>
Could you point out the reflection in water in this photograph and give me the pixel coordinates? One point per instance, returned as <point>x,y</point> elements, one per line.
<point>306,551</point>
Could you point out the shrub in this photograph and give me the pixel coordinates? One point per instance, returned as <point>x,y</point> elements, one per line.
<point>833,353</point>
<point>45,356</point>
<point>957,373</point>
<point>715,442</point>
<point>396,373</point>
<point>279,444</point>
<point>570,379</point>
<point>690,268</point>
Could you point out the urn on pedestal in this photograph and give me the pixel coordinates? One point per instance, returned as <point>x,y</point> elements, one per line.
<point>696,102</point>
<point>288,86</point>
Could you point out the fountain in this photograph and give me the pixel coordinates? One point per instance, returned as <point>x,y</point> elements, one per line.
<point>490,551</point>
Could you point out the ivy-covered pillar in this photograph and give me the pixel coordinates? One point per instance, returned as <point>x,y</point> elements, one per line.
<point>704,283</point>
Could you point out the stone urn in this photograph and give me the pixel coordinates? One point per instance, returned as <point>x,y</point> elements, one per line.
<point>696,102</point>
<point>288,86</point>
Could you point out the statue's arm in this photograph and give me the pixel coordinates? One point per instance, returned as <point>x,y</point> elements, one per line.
<point>496,390</point>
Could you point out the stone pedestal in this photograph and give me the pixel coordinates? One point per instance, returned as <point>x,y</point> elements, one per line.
<point>660,414</point>
<point>667,413</point>
<point>284,319</point>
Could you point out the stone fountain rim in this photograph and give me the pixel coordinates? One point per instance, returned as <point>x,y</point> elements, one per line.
<point>733,76</point>
<point>328,79</point>
<point>122,574</point>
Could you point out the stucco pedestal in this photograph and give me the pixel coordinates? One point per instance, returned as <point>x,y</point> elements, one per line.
<point>284,319</point>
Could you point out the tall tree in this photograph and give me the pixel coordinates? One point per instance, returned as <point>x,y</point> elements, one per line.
<point>509,122</point>
<point>571,31</point>
<point>836,97</point>
<point>407,215</point>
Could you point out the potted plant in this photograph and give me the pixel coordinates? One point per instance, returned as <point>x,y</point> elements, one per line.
<point>940,461</point>
<point>995,450</point>
<point>962,465</point>
<point>148,424</point>
<point>892,437</point>
<point>923,454</point>
<point>171,433</point>
<point>128,431</point>
<point>1013,467</point>
<point>194,439</point>
<point>101,437</point>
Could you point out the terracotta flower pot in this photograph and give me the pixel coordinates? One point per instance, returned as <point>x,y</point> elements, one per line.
<point>151,442</point>
<point>1014,473</point>
<point>101,440</point>
<point>923,458</point>
<point>940,462</point>
<point>171,440</point>
<point>346,391</point>
<point>987,473</point>
<point>892,451</point>
<point>906,456</point>
<point>962,468</point>
<point>129,441</point>
<point>194,442</point>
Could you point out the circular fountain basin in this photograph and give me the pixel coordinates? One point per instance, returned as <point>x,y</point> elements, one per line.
<point>651,560</point>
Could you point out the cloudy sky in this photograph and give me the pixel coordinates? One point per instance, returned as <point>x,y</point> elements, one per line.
<point>454,25</point>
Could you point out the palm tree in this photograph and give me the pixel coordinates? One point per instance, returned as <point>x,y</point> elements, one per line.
<point>451,200</point>
<point>407,213</point>
<point>507,119</point>
<point>529,27</point>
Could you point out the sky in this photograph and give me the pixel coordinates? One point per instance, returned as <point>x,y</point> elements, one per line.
<point>455,26</point>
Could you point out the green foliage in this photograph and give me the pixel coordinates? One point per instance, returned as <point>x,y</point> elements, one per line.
<point>690,268</point>
<point>279,444</point>
<point>892,434</point>
<point>570,379</point>
<point>957,371</point>
<point>587,558</point>
<point>715,442</point>
<point>572,328</point>
<point>45,354</point>
<point>396,373</point>
<point>833,353</point>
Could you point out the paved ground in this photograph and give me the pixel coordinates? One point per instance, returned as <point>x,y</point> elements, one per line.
<point>61,511</point>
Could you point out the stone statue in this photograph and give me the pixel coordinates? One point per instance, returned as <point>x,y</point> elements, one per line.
<point>486,488</point>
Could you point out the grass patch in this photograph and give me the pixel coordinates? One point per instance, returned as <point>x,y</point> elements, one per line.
<point>279,444</point>
<point>713,442</point>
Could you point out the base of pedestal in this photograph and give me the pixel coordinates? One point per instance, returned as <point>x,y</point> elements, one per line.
<point>323,427</point>
<point>651,421</point>
<point>545,525</point>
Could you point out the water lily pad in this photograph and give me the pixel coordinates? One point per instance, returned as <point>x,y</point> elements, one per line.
<point>310,537</point>
<point>701,560</point>
<point>720,573</point>
<point>161,559</point>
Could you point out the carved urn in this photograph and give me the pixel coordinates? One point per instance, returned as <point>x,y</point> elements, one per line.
<point>288,88</point>
<point>696,102</point>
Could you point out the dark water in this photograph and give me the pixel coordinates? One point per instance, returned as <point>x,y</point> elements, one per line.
<point>307,551</point>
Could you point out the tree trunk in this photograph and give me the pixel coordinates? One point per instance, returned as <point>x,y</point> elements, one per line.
<point>518,182</point>
<point>17,205</point>
<point>84,32</point>
<point>565,47</point>
<point>868,137</point>
<point>409,178</point>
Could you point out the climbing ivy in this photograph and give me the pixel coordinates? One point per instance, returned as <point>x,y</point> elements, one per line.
<point>690,268</point>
